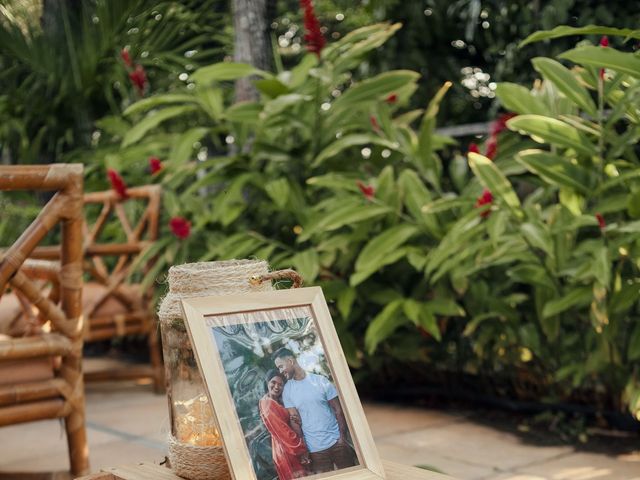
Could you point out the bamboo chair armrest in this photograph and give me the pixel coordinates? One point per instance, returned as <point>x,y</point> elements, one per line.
<point>44,269</point>
<point>49,344</point>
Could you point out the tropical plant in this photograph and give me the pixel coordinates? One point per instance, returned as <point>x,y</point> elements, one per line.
<point>62,73</point>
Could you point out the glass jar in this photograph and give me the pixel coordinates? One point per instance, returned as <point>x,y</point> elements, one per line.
<point>190,414</point>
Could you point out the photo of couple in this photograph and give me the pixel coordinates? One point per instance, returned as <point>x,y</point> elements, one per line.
<point>287,403</point>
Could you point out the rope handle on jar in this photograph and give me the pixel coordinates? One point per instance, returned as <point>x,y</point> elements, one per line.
<point>287,274</point>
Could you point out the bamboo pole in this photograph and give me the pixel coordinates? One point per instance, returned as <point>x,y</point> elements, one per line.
<point>29,347</point>
<point>38,177</point>
<point>71,296</point>
<point>28,392</point>
<point>28,412</point>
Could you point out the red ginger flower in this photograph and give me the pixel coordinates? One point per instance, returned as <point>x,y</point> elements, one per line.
<point>391,98</point>
<point>126,58</point>
<point>367,190</point>
<point>139,79</point>
<point>604,42</point>
<point>485,199</point>
<point>155,165</point>
<point>492,147</point>
<point>180,227</point>
<point>473,148</point>
<point>374,123</point>
<point>117,183</point>
<point>500,124</point>
<point>312,36</point>
<point>601,223</point>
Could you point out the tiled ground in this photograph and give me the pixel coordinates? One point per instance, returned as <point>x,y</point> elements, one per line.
<point>127,423</point>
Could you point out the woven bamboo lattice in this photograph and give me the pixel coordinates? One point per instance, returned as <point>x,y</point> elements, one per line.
<point>62,395</point>
<point>113,307</point>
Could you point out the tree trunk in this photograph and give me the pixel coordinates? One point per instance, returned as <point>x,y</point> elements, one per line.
<point>252,44</point>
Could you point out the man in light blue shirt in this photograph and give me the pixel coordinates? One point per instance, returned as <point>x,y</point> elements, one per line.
<point>315,414</point>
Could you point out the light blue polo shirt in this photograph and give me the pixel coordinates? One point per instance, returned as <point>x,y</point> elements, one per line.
<point>310,396</point>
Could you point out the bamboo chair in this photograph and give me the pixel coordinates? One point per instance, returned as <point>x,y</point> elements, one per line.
<point>41,375</point>
<point>112,307</point>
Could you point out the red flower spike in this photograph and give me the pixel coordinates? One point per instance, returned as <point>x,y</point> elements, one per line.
<point>601,223</point>
<point>500,124</point>
<point>601,74</point>
<point>155,165</point>
<point>492,147</point>
<point>367,190</point>
<point>313,38</point>
<point>604,41</point>
<point>485,199</point>
<point>180,227</point>
<point>391,99</point>
<point>126,58</point>
<point>139,79</point>
<point>374,123</point>
<point>117,184</point>
<point>473,148</point>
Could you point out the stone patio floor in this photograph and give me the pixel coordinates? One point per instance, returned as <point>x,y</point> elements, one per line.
<point>127,423</point>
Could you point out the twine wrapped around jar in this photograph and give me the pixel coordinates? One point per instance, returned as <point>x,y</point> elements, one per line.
<point>195,449</point>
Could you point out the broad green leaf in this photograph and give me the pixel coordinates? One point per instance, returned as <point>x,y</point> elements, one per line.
<point>307,264</point>
<point>346,298</point>
<point>416,196</point>
<point>519,99</point>
<point>300,73</point>
<point>182,150</point>
<point>349,141</point>
<point>577,297</point>
<point>224,71</point>
<point>361,275</point>
<point>390,240</point>
<point>278,190</point>
<point>566,82</point>
<point>633,205</point>
<point>445,306</point>
<point>530,274</point>
<point>602,266</point>
<point>555,169</point>
<point>283,102</point>
<point>271,87</point>
<point>554,132</point>
<point>383,325</point>
<point>152,120</point>
<point>422,316</point>
<point>493,179</point>
<point>564,31</point>
<point>244,112</point>
<point>633,353</point>
<point>211,100</point>
<point>373,89</point>
<point>335,181</point>
<point>427,128</point>
<point>158,100</point>
<point>602,57</point>
<point>537,236</point>
<point>348,214</point>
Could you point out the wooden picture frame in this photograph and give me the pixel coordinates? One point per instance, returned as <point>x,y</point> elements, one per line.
<point>218,325</point>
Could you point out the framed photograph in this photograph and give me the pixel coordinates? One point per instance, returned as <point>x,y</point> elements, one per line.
<point>280,387</point>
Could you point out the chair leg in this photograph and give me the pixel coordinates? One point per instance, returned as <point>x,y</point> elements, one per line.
<point>75,422</point>
<point>155,354</point>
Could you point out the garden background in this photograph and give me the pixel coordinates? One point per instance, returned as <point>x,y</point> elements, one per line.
<point>496,266</point>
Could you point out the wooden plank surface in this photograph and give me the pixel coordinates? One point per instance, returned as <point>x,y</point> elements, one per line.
<point>148,471</point>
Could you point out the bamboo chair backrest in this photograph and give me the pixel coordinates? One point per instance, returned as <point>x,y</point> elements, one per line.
<point>140,232</point>
<point>66,208</point>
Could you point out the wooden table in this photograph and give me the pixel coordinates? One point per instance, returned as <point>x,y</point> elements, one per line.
<point>149,471</point>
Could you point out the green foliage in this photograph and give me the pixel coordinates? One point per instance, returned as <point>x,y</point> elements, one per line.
<point>330,176</point>
<point>63,71</point>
